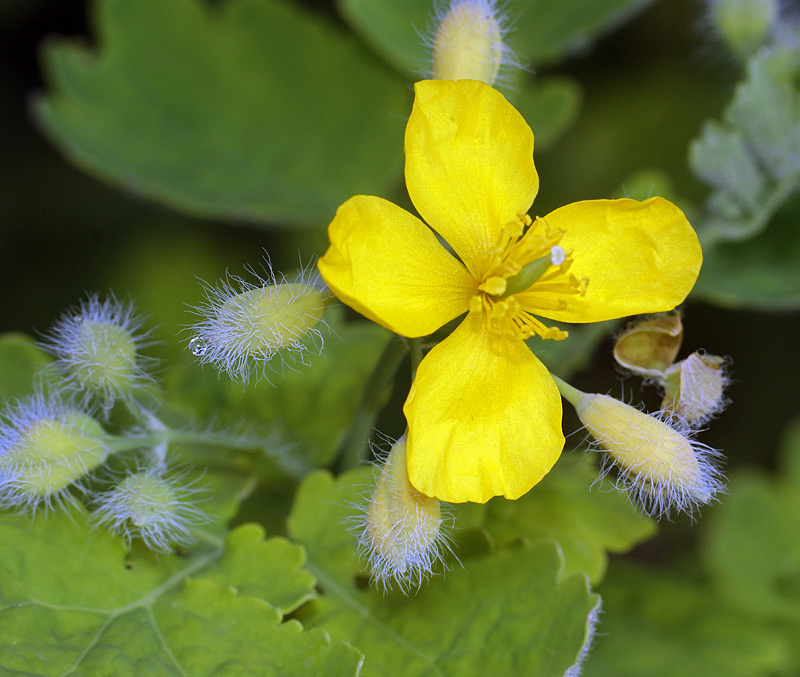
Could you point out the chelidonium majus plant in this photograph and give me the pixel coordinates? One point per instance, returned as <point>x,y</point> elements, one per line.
<point>472,294</point>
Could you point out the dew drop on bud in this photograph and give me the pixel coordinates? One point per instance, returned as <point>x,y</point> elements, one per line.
<point>198,345</point>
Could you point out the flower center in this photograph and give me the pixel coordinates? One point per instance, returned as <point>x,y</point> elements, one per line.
<point>525,272</point>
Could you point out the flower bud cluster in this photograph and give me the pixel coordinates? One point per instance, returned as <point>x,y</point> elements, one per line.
<point>54,449</point>
<point>246,324</point>
<point>658,461</point>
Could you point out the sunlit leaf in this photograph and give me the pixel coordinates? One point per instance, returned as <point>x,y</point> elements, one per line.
<point>71,601</point>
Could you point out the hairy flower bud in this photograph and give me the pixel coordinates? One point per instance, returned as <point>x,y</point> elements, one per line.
<point>246,324</point>
<point>98,352</point>
<point>401,535</point>
<point>661,466</point>
<point>45,448</point>
<point>744,24</point>
<point>146,504</point>
<point>468,43</point>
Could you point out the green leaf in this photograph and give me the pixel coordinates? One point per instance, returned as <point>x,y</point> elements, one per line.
<point>657,624</point>
<point>71,601</point>
<point>312,405</point>
<point>510,613</point>
<point>20,360</point>
<point>244,109</point>
<point>766,111</point>
<point>587,518</point>
<point>722,159</point>
<point>753,548</point>
<point>753,159</point>
<point>543,30</point>
<point>546,31</point>
<point>271,569</point>
<point>761,273</point>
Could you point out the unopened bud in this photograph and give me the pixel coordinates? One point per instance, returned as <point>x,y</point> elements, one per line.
<point>146,504</point>
<point>658,463</point>
<point>402,534</point>
<point>649,347</point>
<point>98,352</point>
<point>695,388</point>
<point>45,449</point>
<point>246,324</point>
<point>468,44</point>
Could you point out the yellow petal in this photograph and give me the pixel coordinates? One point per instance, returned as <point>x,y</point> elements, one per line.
<point>639,257</point>
<point>389,266</point>
<point>484,418</point>
<point>469,163</point>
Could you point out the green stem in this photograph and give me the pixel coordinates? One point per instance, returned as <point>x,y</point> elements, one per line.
<point>570,394</point>
<point>355,452</point>
<point>153,438</point>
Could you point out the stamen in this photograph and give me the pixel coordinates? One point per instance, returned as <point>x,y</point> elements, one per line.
<point>526,272</point>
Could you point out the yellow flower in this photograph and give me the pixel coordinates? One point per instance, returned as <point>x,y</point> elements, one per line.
<point>484,415</point>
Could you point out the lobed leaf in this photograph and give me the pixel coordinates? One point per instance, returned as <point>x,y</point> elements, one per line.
<point>71,600</point>
<point>243,109</point>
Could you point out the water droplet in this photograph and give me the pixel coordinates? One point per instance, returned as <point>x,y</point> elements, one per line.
<point>198,345</point>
